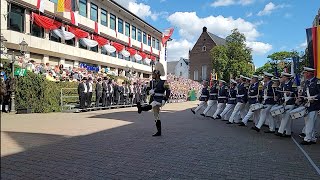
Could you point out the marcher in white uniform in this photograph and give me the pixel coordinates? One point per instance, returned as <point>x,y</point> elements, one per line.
<point>288,95</point>
<point>213,98</point>
<point>241,101</point>
<point>253,98</point>
<point>203,97</point>
<point>222,99</point>
<point>311,100</point>
<point>268,102</point>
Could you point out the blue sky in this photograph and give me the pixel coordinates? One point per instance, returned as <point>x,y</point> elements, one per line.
<point>269,26</point>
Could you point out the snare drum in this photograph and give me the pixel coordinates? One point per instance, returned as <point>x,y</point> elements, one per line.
<point>277,110</point>
<point>298,112</point>
<point>255,107</point>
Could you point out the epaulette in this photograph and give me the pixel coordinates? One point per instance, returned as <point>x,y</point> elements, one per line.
<point>260,86</point>
<point>318,81</point>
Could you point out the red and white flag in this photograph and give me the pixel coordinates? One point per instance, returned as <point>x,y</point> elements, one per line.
<point>74,18</point>
<point>96,28</point>
<point>41,5</point>
<point>129,42</point>
<point>166,35</point>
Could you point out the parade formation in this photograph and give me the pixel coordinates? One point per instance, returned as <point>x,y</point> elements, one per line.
<point>273,102</point>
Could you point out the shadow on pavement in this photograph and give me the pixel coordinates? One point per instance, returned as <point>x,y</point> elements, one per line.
<point>188,149</point>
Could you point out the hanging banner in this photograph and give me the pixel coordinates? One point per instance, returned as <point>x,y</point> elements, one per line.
<point>119,47</point>
<point>137,57</point>
<point>109,48</point>
<point>125,53</point>
<point>45,22</point>
<point>63,34</point>
<point>101,41</point>
<point>78,32</point>
<point>88,42</point>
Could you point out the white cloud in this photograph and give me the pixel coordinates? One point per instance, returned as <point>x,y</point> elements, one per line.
<point>249,14</point>
<point>269,8</point>
<point>178,48</point>
<point>303,45</point>
<point>218,25</point>
<point>219,3</point>
<point>259,48</point>
<point>140,9</point>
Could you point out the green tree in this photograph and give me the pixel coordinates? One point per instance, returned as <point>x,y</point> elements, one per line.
<point>234,58</point>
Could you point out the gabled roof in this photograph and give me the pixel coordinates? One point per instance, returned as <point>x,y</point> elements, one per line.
<point>218,40</point>
<point>185,61</point>
<point>171,67</point>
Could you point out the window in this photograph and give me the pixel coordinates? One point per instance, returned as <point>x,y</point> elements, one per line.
<point>54,1</point>
<point>94,12</point>
<point>204,48</point>
<point>180,73</point>
<point>54,37</point>
<point>181,64</point>
<point>127,29</point>
<point>195,75</point>
<point>83,8</point>
<point>70,42</point>
<point>81,45</point>
<point>16,18</point>
<point>94,49</point>
<point>139,35</point>
<point>158,45</point>
<point>120,56</point>
<point>149,40</point>
<point>134,33</point>
<point>104,19</point>
<point>120,25</point>
<point>153,42</point>
<point>36,30</point>
<point>114,54</point>
<point>204,72</point>
<point>112,22</point>
<point>144,38</point>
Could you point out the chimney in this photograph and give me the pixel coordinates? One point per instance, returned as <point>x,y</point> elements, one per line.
<point>204,29</point>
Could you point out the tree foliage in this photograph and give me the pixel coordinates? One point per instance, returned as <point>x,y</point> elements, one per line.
<point>282,55</point>
<point>233,58</point>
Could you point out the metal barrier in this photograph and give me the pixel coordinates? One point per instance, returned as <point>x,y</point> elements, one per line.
<point>69,100</point>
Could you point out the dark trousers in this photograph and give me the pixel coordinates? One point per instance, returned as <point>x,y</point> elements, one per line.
<point>98,98</point>
<point>82,99</point>
<point>89,99</point>
<point>109,99</point>
<point>104,98</point>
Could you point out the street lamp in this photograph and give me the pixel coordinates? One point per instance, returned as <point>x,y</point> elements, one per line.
<point>23,49</point>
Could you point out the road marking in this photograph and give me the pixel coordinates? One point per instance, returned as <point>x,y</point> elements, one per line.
<point>307,156</point>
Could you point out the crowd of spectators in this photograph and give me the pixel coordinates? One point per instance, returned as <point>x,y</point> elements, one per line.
<point>180,87</point>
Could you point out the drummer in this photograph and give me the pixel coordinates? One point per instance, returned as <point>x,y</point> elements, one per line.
<point>278,104</point>
<point>311,98</point>
<point>268,102</point>
<point>288,94</point>
<point>253,98</point>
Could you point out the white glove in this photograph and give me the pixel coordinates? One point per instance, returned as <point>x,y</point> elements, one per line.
<point>163,102</point>
<point>151,92</point>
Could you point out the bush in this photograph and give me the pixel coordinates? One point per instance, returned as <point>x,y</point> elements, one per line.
<point>43,96</point>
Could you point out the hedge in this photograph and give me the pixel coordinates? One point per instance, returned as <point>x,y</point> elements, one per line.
<point>42,96</point>
<point>34,91</point>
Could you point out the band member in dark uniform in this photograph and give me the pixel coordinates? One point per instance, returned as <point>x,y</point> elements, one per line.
<point>203,97</point>
<point>104,91</point>
<point>82,91</point>
<point>222,99</point>
<point>159,92</point>
<point>98,92</point>
<point>213,97</point>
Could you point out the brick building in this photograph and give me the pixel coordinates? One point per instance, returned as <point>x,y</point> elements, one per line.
<point>199,55</point>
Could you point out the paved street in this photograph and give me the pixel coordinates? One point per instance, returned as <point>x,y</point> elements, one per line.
<point>117,144</point>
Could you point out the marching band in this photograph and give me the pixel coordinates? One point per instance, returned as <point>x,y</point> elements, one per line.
<point>273,102</point>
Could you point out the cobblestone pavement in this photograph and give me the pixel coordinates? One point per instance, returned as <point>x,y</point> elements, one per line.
<point>117,144</point>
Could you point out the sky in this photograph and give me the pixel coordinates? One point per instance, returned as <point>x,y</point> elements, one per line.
<point>269,26</point>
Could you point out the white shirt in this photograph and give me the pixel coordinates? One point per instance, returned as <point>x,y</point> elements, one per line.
<point>90,86</point>
<point>85,87</point>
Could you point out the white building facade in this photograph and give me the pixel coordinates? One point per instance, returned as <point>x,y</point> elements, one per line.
<point>182,68</point>
<point>116,24</point>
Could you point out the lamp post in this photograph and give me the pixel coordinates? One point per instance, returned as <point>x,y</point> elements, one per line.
<point>23,46</point>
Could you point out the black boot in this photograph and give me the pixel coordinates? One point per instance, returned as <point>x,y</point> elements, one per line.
<point>158,125</point>
<point>143,108</point>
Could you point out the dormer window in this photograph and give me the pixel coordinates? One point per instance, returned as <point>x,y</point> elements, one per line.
<point>204,48</point>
